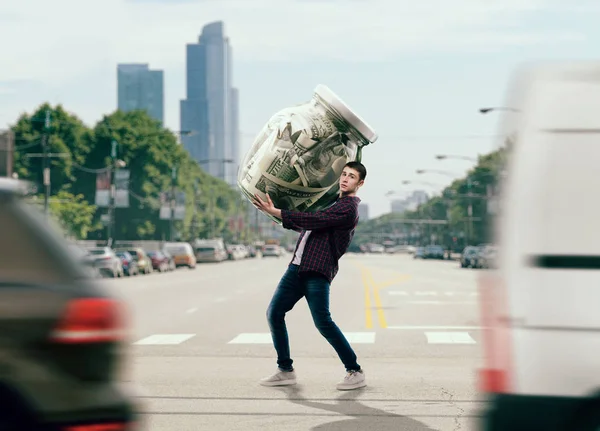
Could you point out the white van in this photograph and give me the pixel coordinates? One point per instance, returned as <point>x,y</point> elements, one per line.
<point>541,305</point>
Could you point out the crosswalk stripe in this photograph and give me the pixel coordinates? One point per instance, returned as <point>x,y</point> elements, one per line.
<point>164,339</point>
<point>252,338</point>
<point>432,293</point>
<point>438,327</point>
<point>449,338</point>
<point>265,338</point>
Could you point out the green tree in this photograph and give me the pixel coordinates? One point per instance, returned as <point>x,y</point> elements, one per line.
<point>73,214</point>
<point>152,155</point>
<point>66,134</point>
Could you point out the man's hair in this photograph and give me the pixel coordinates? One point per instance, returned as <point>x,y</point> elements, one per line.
<point>358,167</point>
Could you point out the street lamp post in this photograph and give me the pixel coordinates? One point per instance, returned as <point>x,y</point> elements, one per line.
<point>436,171</point>
<point>497,108</point>
<point>423,183</point>
<point>450,156</point>
<point>115,164</point>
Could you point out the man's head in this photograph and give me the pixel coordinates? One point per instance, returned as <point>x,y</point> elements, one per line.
<point>352,178</point>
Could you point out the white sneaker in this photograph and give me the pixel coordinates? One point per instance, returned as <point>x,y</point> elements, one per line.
<point>280,378</point>
<point>353,380</point>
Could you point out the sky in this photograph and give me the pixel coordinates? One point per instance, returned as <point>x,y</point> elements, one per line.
<point>417,72</point>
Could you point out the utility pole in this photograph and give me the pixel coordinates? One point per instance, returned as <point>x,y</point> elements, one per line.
<point>173,179</point>
<point>111,199</point>
<point>470,212</point>
<point>46,162</point>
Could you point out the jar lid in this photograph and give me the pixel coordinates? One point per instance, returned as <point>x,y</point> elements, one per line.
<point>345,111</point>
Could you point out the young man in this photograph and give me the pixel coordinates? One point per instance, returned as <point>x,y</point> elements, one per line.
<point>324,238</point>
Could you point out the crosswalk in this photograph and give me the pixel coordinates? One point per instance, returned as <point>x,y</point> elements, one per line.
<point>433,335</point>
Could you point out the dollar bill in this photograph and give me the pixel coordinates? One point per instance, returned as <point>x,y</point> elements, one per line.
<point>298,157</point>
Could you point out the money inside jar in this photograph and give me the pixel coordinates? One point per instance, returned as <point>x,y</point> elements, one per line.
<point>299,154</point>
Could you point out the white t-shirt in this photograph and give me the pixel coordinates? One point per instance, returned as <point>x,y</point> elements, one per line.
<point>300,251</point>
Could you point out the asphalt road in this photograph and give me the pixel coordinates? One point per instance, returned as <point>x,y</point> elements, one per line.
<point>200,344</point>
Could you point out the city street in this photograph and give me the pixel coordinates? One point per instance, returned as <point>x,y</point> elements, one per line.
<point>200,344</point>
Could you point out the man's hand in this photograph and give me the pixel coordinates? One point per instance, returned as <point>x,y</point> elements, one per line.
<point>267,206</point>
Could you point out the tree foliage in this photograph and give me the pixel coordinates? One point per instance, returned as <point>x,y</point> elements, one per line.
<point>73,214</point>
<point>150,152</point>
<point>452,206</point>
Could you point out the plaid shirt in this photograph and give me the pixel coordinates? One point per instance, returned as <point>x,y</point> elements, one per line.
<point>332,231</point>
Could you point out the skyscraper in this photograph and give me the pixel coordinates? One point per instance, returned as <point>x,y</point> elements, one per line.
<point>363,212</point>
<point>210,109</point>
<point>141,88</point>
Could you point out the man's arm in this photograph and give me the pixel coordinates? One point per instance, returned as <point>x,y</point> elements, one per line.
<point>338,215</point>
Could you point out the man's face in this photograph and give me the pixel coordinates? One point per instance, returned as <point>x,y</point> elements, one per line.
<point>349,181</point>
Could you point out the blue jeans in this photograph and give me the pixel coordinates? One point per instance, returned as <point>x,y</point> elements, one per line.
<point>292,287</point>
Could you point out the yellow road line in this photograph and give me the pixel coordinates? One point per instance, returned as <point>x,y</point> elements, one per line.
<point>371,285</point>
<point>380,313</point>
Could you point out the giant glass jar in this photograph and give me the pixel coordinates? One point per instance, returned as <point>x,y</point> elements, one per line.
<point>299,154</point>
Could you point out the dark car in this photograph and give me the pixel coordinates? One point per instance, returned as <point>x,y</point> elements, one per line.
<point>435,252</point>
<point>160,261</point>
<point>61,334</point>
<point>130,266</point>
<point>469,256</point>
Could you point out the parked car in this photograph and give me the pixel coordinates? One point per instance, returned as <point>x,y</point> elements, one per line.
<point>252,251</point>
<point>130,266</point>
<point>143,261</point>
<point>235,252</point>
<point>169,256</point>
<point>182,253</point>
<point>160,261</point>
<point>61,333</point>
<point>82,256</point>
<point>434,252</point>
<point>486,257</point>
<point>106,261</point>
<point>211,253</point>
<point>469,256</point>
<point>272,250</point>
<point>419,253</point>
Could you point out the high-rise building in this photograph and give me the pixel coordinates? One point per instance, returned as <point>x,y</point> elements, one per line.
<point>410,203</point>
<point>210,109</point>
<point>399,205</point>
<point>363,212</point>
<point>141,88</point>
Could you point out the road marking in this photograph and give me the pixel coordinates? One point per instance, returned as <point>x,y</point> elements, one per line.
<point>371,285</point>
<point>431,293</point>
<point>220,299</point>
<point>164,339</point>
<point>252,338</point>
<point>424,302</point>
<point>440,302</point>
<point>265,338</point>
<point>449,338</point>
<point>380,314</point>
<point>360,337</point>
<point>192,310</point>
<point>424,328</point>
